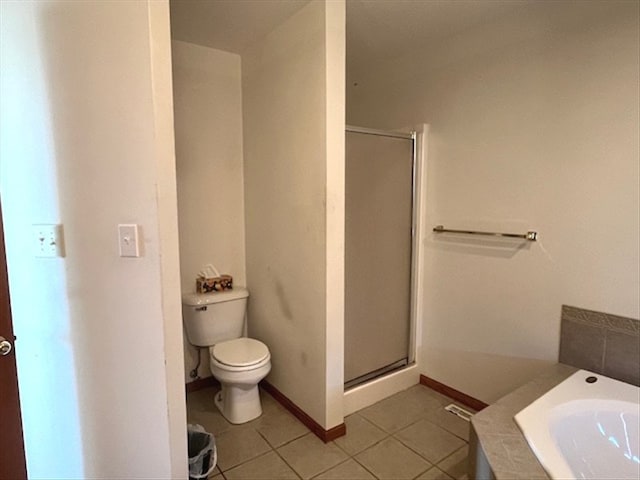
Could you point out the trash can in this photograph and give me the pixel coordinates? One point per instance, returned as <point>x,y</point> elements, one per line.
<point>202,452</point>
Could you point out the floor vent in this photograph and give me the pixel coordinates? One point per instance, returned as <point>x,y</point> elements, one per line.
<point>459,411</point>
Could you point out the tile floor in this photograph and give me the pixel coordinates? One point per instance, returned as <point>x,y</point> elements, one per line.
<point>406,436</point>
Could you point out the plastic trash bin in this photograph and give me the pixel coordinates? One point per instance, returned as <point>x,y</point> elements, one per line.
<point>202,452</point>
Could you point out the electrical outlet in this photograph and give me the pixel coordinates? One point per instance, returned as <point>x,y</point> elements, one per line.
<point>48,241</point>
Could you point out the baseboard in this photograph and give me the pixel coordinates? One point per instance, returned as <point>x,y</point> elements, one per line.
<point>201,383</point>
<point>457,395</point>
<point>310,423</point>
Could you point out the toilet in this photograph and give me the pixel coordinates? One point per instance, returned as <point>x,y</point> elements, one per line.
<point>217,321</point>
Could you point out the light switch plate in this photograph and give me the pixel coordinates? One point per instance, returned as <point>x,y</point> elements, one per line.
<point>128,240</point>
<point>48,240</point>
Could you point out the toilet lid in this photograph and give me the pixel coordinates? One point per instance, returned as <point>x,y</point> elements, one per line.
<point>240,352</point>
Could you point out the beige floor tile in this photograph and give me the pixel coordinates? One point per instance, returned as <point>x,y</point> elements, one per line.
<point>243,452</point>
<point>270,404</point>
<point>434,474</point>
<point>429,440</point>
<point>202,410</point>
<point>213,422</point>
<point>216,474</point>
<point>456,465</point>
<point>402,409</point>
<point>280,427</point>
<point>350,470</point>
<point>309,456</point>
<point>390,459</point>
<point>238,445</point>
<point>361,434</point>
<point>422,391</point>
<point>450,422</point>
<point>269,466</point>
<point>202,399</point>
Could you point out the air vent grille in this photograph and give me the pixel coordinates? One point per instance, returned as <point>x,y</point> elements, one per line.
<point>459,411</point>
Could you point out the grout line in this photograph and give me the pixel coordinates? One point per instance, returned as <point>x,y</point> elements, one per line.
<point>372,445</point>
<point>424,471</point>
<point>285,443</point>
<point>353,455</point>
<point>432,464</point>
<point>452,454</point>
<point>466,444</point>
<point>372,423</point>
<point>387,435</point>
<point>448,431</point>
<point>247,461</point>
<point>293,439</point>
<point>364,466</point>
<point>265,439</point>
<point>242,428</point>
<point>341,448</point>
<point>334,466</point>
<point>387,431</point>
<point>219,471</point>
<point>447,476</point>
<point>281,457</point>
<point>443,427</point>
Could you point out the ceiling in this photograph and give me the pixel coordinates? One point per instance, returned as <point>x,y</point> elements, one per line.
<point>379,30</point>
<point>229,25</point>
<point>376,29</point>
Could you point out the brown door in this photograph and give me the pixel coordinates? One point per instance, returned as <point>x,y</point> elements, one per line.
<point>12,462</point>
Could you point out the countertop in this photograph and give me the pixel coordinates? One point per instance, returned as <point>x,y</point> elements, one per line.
<point>502,441</point>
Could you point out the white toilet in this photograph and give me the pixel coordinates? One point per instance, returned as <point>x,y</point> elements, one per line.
<point>217,321</point>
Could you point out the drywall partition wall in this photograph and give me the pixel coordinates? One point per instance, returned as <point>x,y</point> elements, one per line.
<point>208,128</point>
<point>335,53</point>
<point>85,141</point>
<point>168,245</point>
<point>534,125</point>
<point>286,128</point>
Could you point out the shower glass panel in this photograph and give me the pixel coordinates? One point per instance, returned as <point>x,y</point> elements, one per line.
<point>378,253</point>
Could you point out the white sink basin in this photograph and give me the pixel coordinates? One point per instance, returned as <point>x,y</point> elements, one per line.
<point>586,430</point>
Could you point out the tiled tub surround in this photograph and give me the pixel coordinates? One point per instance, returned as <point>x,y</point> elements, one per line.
<point>595,341</point>
<point>588,426</point>
<point>406,436</point>
<point>601,342</point>
<point>497,447</point>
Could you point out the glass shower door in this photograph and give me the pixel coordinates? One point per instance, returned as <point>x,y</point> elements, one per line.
<point>378,252</point>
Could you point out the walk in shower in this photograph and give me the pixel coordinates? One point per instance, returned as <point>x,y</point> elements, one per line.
<point>379,229</point>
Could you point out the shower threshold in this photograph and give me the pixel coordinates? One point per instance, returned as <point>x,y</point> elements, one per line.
<point>376,373</point>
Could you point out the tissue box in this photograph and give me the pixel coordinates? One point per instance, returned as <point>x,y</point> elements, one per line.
<point>214,284</point>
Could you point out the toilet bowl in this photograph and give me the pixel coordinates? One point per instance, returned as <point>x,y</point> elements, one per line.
<point>239,365</point>
<point>218,321</point>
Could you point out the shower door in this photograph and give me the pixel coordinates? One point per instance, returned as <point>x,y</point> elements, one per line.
<point>378,253</point>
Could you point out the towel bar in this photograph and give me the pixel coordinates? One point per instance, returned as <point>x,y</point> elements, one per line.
<point>530,235</point>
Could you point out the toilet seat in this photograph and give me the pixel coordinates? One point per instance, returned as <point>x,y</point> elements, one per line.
<point>239,354</point>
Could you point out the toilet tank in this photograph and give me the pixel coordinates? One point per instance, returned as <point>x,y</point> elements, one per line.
<point>211,318</point>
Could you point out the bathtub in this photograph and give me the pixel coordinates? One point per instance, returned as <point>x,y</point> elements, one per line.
<point>586,427</point>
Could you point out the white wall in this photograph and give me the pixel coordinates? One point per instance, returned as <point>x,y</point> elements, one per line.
<point>86,141</point>
<point>335,57</point>
<point>291,100</point>
<point>167,211</point>
<point>534,125</point>
<point>208,125</point>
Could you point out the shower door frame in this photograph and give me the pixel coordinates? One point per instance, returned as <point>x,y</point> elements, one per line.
<point>415,241</point>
